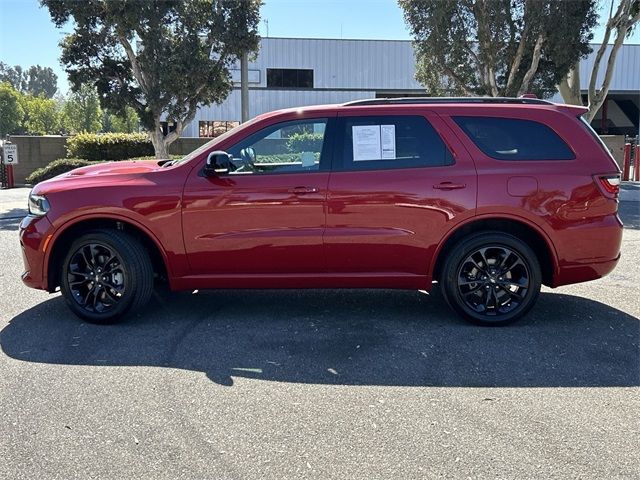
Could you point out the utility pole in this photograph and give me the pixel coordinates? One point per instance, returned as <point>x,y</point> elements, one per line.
<point>244,86</point>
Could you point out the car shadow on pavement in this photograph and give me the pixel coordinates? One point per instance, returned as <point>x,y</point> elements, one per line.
<point>629,213</point>
<point>359,337</point>
<point>10,223</point>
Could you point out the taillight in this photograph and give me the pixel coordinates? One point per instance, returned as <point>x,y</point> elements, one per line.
<point>609,184</point>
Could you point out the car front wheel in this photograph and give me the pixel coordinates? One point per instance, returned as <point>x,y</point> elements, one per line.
<point>106,274</point>
<point>491,278</point>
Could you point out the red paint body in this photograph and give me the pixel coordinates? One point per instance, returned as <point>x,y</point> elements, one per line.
<point>376,228</point>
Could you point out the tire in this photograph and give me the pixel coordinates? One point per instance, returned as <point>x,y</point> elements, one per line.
<point>106,274</point>
<point>491,278</point>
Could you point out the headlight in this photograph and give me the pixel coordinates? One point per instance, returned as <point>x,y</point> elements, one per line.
<point>38,205</point>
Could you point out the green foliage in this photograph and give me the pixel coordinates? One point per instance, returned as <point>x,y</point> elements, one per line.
<point>55,168</point>
<point>109,146</point>
<point>11,108</point>
<point>126,122</point>
<point>489,48</point>
<point>282,158</point>
<point>81,111</point>
<point>164,59</point>
<point>36,80</point>
<point>305,142</point>
<point>41,81</point>
<point>41,116</point>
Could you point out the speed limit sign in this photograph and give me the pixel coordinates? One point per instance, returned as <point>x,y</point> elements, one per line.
<point>10,155</point>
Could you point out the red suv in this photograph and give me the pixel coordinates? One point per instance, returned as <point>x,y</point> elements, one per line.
<point>490,198</point>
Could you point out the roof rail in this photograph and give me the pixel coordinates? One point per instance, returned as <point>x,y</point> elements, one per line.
<point>436,100</point>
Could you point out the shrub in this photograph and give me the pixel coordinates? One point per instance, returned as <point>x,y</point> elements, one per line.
<point>305,142</point>
<point>56,168</point>
<point>109,146</point>
<point>282,158</point>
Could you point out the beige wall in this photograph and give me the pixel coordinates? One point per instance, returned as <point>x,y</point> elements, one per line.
<point>36,152</point>
<point>615,144</point>
<point>185,145</point>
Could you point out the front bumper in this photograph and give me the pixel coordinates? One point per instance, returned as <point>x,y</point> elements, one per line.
<point>35,235</point>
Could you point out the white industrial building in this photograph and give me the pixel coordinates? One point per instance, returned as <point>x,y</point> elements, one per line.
<point>291,72</point>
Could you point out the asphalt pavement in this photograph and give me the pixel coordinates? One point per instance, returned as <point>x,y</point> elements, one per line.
<point>359,384</point>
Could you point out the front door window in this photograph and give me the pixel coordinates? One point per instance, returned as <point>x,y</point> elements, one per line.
<point>289,147</point>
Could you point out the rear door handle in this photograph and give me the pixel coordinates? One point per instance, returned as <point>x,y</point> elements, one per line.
<point>449,186</point>
<point>302,190</point>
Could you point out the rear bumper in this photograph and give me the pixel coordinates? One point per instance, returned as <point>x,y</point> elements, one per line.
<point>584,273</point>
<point>35,233</point>
<point>589,251</point>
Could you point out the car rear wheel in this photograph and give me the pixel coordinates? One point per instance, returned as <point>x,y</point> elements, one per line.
<point>106,274</point>
<point>491,278</point>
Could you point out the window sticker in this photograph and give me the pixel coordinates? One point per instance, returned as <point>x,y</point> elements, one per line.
<point>388,141</point>
<point>374,142</point>
<point>366,142</point>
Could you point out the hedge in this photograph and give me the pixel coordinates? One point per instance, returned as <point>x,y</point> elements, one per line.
<point>109,146</point>
<point>305,142</point>
<point>56,168</point>
<point>282,158</point>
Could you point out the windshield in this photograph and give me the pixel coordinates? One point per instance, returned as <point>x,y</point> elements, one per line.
<point>213,141</point>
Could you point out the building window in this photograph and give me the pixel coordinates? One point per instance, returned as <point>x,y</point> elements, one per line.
<point>214,129</point>
<point>289,78</point>
<point>167,127</point>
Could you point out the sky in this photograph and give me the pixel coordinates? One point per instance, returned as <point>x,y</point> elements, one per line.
<point>28,37</point>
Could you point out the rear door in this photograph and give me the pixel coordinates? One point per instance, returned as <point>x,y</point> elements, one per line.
<point>395,189</point>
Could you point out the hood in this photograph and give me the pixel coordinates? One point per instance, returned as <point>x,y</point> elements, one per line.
<point>101,174</point>
<point>131,167</point>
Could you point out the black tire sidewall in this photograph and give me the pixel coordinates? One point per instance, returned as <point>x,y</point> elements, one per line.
<point>461,251</point>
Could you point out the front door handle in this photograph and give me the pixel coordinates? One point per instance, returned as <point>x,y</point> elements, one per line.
<point>449,186</point>
<point>302,190</point>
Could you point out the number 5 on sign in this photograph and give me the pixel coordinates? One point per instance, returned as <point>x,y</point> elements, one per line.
<point>10,156</point>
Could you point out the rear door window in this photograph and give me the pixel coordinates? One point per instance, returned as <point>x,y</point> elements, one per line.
<point>388,142</point>
<point>514,139</point>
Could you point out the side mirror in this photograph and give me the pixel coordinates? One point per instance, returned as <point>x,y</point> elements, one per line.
<point>217,162</point>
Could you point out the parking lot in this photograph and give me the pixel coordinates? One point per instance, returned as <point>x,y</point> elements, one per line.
<point>321,384</point>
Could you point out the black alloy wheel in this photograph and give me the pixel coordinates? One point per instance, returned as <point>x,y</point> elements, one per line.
<point>491,278</point>
<point>96,277</point>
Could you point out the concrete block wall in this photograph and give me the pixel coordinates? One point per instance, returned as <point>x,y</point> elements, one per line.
<point>36,152</point>
<point>615,144</point>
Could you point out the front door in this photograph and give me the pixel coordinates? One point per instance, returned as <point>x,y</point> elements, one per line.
<point>267,214</point>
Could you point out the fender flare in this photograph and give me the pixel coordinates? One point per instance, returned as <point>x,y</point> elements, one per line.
<point>100,216</point>
<point>487,216</point>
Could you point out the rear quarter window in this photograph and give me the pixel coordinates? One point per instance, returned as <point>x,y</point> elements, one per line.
<point>514,139</point>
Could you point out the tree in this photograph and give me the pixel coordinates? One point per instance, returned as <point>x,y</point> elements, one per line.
<point>11,109</point>
<point>162,58</point>
<point>621,24</point>
<point>41,81</point>
<point>41,115</point>
<point>497,47</point>
<point>127,121</point>
<point>12,76</point>
<point>36,80</point>
<point>82,112</point>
